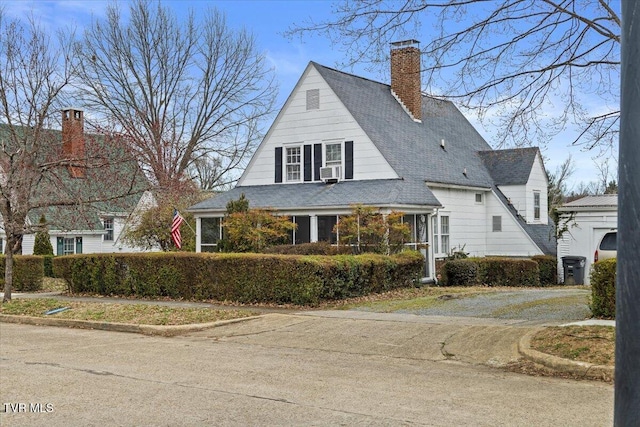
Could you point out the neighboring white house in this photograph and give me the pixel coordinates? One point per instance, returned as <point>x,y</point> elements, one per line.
<point>342,140</point>
<point>587,219</point>
<point>98,227</point>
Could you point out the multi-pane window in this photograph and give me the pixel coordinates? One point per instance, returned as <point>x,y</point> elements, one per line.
<point>536,205</point>
<point>444,234</point>
<point>436,235</point>
<point>440,234</point>
<point>68,246</point>
<point>293,164</point>
<point>107,223</point>
<point>333,155</point>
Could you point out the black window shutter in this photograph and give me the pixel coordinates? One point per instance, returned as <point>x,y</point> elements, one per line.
<point>307,162</point>
<point>60,245</point>
<point>348,161</point>
<point>317,161</point>
<point>278,164</point>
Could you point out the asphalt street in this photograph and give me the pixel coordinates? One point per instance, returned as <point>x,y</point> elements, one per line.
<point>318,368</point>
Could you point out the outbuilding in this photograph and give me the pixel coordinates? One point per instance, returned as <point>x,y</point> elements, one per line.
<point>586,221</point>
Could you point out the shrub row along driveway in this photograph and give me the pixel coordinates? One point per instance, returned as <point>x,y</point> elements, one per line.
<point>531,306</point>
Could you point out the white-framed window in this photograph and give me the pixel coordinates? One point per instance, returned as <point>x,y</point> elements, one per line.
<point>333,154</point>
<point>441,242</point>
<point>436,234</point>
<point>497,223</point>
<point>210,233</point>
<point>478,198</point>
<point>69,246</point>
<point>107,224</point>
<point>293,163</point>
<point>536,205</point>
<point>444,234</point>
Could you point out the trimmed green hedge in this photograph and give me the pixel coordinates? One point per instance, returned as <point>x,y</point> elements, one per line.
<point>28,271</point>
<point>315,248</point>
<point>491,272</point>
<point>603,289</point>
<point>548,266</point>
<point>238,277</point>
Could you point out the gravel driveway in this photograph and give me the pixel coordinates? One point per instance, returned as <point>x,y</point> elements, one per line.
<point>528,304</point>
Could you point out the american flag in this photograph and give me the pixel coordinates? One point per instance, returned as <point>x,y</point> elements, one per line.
<point>175,228</point>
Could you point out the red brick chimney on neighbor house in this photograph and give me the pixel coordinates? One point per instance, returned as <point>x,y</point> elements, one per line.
<point>73,140</point>
<point>405,76</point>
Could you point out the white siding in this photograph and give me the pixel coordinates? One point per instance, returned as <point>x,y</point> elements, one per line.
<point>467,220</point>
<point>537,183</point>
<point>332,121</point>
<point>512,240</point>
<point>517,196</point>
<point>471,225</point>
<point>584,234</point>
<point>521,196</point>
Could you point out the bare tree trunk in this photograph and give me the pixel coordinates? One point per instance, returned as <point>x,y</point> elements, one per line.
<point>8,271</point>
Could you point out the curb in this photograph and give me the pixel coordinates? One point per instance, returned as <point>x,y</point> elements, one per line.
<point>576,368</point>
<point>156,330</point>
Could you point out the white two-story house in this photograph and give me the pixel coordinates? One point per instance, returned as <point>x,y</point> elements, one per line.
<point>342,140</point>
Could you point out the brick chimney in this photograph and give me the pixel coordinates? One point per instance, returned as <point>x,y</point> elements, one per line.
<point>405,76</point>
<point>73,140</point>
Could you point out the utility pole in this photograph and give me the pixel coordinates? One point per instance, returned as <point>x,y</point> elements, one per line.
<point>627,376</point>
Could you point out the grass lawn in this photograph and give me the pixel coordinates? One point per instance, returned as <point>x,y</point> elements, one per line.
<point>142,314</point>
<point>592,344</point>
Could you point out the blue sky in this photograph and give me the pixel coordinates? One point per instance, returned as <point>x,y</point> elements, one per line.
<point>268,20</point>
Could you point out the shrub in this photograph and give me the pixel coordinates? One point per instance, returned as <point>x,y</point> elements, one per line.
<point>48,265</point>
<point>238,277</point>
<point>28,271</point>
<point>316,248</point>
<point>603,289</point>
<point>491,272</point>
<point>548,266</point>
<point>367,230</point>
<point>460,272</point>
<point>508,272</point>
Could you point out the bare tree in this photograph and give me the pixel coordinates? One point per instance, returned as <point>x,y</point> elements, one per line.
<point>178,91</point>
<point>38,170</point>
<point>557,189</point>
<point>532,63</point>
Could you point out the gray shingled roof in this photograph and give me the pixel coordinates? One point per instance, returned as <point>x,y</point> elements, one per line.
<point>118,183</point>
<point>602,200</point>
<point>543,235</point>
<point>388,192</point>
<point>412,148</point>
<point>510,167</point>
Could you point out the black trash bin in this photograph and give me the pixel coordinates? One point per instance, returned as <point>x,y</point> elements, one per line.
<point>573,267</point>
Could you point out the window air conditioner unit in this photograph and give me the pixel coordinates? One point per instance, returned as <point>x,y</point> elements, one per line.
<point>330,173</point>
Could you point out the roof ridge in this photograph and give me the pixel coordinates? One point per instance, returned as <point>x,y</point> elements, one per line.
<point>423,94</point>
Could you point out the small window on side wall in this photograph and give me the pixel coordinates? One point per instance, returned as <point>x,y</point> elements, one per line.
<point>536,205</point>
<point>478,198</point>
<point>497,223</point>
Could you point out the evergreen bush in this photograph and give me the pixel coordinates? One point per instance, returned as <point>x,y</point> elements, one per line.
<point>244,278</point>
<point>603,289</point>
